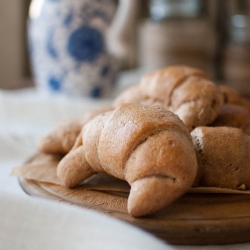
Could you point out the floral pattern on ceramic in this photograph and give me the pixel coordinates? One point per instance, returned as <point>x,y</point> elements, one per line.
<point>68,47</point>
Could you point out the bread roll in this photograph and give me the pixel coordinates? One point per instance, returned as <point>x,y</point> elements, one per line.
<point>232,96</point>
<point>232,115</point>
<point>148,146</point>
<point>186,91</point>
<point>223,157</point>
<point>63,137</point>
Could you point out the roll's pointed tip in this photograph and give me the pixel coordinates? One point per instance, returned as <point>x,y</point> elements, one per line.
<point>150,194</point>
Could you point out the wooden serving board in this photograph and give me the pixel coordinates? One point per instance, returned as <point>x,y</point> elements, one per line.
<point>194,219</point>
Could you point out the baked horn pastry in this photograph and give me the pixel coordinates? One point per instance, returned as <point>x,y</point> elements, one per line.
<point>186,91</point>
<point>232,96</point>
<point>148,146</point>
<point>232,115</point>
<point>235,111</point>
<point>62,138</point>
<point>223,157</point>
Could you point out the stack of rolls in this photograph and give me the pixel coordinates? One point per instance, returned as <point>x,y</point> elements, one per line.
<point>173,130</point>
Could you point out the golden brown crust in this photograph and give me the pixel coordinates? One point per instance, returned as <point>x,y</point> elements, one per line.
<point>232,115</point>
<point>74,169</point>
<point>175,153</point>
<point>148,146</point>
<point>149,194</point>
<point>63,137</point>
<point>223,157</point>
<point>91,133</point>
<point>245,102</point>
<point>160,85</point>
<point>127,127</point>
<point>171,149</point>
<point>230,94</point>
<point>197,102</point>
<point>186,91</point>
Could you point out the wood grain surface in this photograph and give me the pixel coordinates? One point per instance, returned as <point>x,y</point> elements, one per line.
<point>194,219</point>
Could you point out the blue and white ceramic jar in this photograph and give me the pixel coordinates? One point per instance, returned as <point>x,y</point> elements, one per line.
<point>68,46</point>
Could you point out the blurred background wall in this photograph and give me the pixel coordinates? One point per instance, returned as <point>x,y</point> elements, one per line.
<point>14,66</point>
<point>210,34</point>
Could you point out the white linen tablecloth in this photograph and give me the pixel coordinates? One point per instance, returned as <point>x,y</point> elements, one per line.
<point>32,223</point>
<point>36,224</point>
